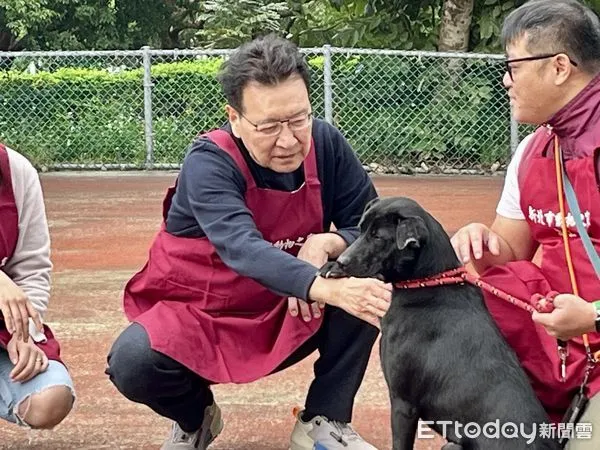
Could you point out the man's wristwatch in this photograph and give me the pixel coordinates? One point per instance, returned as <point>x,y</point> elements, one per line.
<point>597,306</point>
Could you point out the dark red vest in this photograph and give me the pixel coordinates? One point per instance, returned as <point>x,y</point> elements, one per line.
<point>577,126</point>
<point>9,234</point>
<point>221,325</point>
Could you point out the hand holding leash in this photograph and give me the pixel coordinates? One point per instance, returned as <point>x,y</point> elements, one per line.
<point>572,316</point>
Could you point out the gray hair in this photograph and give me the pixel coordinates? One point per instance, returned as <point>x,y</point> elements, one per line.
<point>557,26</point>
<point>267,60</point>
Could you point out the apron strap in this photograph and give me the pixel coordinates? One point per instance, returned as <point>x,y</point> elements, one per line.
<point>574,207</point>
<point>225,142</point>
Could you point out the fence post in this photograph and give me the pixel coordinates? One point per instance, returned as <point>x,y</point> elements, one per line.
<point>148,131</point>
<point>514,134</point>
<point>327,85</point>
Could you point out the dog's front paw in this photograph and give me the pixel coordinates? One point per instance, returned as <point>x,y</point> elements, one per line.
<point>332,269</point>
<point>451,446</point>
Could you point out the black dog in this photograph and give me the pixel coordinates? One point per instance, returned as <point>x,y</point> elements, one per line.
<point>443,358</point>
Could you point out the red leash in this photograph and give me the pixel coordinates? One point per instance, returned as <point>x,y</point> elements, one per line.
<point>461,276</point>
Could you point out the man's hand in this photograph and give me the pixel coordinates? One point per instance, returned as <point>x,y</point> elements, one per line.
<point>365,298</point>
<point>506,240</point>
<point>572,316</point>
<point>317,250</point>
<point>308,311</point>
<point>28,358</point>
<point>473,240</point>
<point>17,309</point>
<point>321,247</point>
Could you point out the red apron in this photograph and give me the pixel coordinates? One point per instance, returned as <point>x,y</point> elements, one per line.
<point>196,310</point>
<point>536,349</point>
<point>9,233</point>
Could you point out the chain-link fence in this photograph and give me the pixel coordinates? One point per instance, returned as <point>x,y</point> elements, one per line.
<point>402,111</point>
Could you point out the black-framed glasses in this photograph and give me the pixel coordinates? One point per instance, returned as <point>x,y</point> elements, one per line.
<point>273,128</point>
<point>508,62</point>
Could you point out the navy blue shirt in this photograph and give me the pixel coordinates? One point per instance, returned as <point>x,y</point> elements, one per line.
<point>209,201</point>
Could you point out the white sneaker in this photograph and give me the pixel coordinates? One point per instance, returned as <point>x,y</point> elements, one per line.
<point>200,439</point>
<point>320,433</point>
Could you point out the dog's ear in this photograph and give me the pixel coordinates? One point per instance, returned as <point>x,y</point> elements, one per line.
<point>411,231</point>
<point>371,204</point>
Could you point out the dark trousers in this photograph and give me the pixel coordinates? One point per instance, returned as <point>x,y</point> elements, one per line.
<point>173,391</point>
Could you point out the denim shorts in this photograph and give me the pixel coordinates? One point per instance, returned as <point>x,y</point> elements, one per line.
<point>13,393</point>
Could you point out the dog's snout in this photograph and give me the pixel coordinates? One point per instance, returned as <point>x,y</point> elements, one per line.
<point>343,260</point>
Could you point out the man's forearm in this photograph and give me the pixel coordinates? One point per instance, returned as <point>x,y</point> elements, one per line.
<point>334,244</point>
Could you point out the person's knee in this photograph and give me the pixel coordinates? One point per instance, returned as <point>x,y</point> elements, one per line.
<point>131,362</point>
<point>587,432</point>
<point>47,408</point>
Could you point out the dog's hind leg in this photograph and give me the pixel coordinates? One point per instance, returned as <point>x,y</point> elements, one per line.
<point>405,419</point>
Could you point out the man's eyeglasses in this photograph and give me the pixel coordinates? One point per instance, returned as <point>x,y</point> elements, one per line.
<point>508,62</point>
<point>296,123</point>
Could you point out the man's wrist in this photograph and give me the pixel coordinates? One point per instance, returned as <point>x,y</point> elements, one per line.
<point>320,290</point>
<point>334,244</point>
<point>5,279</point>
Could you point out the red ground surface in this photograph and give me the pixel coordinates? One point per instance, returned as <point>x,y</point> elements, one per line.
<point>101,227</point>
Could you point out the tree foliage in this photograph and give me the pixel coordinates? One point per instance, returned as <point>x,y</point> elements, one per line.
<point>123,24</point>
<point>404,24</point>
<point>59,24</point>
<point>159,23</point>
<point>228,23</point>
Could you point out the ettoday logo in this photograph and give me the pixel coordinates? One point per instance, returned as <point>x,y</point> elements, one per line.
<point>508,430</point>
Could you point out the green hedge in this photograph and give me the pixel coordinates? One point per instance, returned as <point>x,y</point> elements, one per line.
<point>93,116</point>
<point>414,110</point>
<point>393,110</point>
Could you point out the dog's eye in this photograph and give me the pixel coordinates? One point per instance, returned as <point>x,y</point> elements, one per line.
<point>374,235</point>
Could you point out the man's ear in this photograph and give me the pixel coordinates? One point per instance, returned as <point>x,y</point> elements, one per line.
<point>234,120</point>
<point>562,68</point>
<point>412,232</point>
